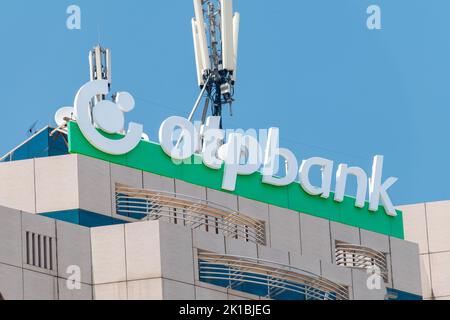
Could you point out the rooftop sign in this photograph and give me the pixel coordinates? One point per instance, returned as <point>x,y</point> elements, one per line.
<point>243,166</point>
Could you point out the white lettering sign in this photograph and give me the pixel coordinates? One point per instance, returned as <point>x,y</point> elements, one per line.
<point>241,154</point>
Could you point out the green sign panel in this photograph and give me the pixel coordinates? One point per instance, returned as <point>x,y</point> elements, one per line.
<point>149,157</point>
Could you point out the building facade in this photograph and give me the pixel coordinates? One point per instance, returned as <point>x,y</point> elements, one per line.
<point>77,227</point>
<point>427,224</point>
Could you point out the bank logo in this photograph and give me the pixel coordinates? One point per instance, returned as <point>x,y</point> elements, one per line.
<point>239,153</point>
<point>108,116</point>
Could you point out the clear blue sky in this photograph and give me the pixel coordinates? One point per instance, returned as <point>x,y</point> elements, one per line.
<point>310,67</point>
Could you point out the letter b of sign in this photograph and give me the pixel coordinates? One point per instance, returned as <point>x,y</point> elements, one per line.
<point>74,20</point>
<point>374,20</point>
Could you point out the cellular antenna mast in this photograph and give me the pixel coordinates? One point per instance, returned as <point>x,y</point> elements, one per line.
<point>100,66</point>
<point>216,31</point>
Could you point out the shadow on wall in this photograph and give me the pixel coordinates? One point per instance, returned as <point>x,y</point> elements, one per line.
<point>1,297</point>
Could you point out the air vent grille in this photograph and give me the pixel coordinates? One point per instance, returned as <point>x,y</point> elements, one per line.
<point>39,251</point>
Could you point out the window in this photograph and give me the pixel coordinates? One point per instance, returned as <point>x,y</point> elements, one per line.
<point>266,279</point>
<point>358,257</point>
<point>197,214</point>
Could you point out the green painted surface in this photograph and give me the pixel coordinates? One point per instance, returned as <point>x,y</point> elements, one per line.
<point>150,157</point>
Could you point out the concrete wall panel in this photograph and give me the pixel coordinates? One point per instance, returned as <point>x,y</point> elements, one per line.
<point>10,237</point>
<point>227,200</point>
<point>17,188</point>
<point>406,266</point>
<point>177,259</point>
<point>415,225</point>
<point>74,249</point>
<point>39,286</point>
<point>360,289</point>
<point>208,294</point>
<point>11,282</point>
<point>108,255</point>
<point>284,229</point>
<point>57,184</point>
<point>316,237</point>
<point>111,291</point>
<point>427,291</point>
<point>208,241</point>
<point>174,290</point>
<point>143,250</point>
<point>94,185</point>
<point>306,263</point>
<point>438,218</point>
<point>158,183</point>
<point>440,274</point>
<point>85,292</point>
<point>273,255</point>
<point>375,241</point>
<point>190,190</point>
<point>241,248</point>
<point>340,275</point>
<point>150,289</point>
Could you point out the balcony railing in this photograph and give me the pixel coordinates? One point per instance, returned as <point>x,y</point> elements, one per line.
<point>267,279</point>
<point>139,204</point>
<point>355,256</point>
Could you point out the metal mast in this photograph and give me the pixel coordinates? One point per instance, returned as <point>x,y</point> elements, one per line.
<point>215,29</point>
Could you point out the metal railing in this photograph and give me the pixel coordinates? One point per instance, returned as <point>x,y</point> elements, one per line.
<point>355,256</point>
<point>273,278</point>
<point>139,204</point>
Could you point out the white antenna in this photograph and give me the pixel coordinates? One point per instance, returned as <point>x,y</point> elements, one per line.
<point>227,35</point>
<point>216,34</point>
<point>200,36</point>
<point>99,69</point>
<point>236,26</point>
<point>201,69</point>
<point>100,66</point>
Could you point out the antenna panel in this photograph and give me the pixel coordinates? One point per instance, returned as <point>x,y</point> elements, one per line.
<point>98,62</point>
<point>91,67</point>
<point>236,27</point>
<point>198,58</point>
<point>201,31</point>
<point>216,34</point>
<point>108,66</point>
<point>227,35</point>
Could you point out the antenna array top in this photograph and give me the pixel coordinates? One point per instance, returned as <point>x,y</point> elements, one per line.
<point>100,64</point>
<point>216,31</point>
